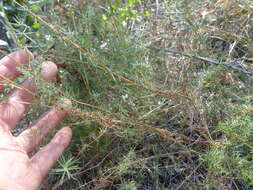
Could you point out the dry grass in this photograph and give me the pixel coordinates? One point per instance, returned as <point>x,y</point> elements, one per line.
<point>144,119</point>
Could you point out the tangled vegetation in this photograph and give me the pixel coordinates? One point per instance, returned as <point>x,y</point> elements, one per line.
<point>142,118</point>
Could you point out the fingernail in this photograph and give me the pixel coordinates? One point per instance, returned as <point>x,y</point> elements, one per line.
<point>64,136</point>
<point>30,55</point>
<point>49,70</point>
<point>64,104</point>
<point>67,131</point>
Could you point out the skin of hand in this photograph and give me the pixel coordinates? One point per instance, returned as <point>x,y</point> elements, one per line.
<point>19,171</point>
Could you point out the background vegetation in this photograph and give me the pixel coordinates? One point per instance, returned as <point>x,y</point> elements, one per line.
<point>145,119</point>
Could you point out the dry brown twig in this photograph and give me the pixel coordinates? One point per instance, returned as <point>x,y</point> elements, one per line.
<point>206,59</point>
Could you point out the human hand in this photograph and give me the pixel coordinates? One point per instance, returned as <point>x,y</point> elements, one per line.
<point>17,170</point>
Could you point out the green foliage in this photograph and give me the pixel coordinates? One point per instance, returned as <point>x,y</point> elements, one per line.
<point>126,162</point>
<point>129,185</point>
<point>141,119</point>
<point>25,25</point>
<point>66,168</point>
<point>233,157</point>
<point>125,11</point>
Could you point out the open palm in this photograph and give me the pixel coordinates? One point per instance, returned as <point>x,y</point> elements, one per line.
<point>18,170</point>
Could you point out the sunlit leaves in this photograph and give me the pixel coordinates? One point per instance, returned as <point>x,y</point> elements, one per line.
<point>129,10</point>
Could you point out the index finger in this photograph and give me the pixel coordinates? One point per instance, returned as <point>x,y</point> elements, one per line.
<point>44,160</point>
<point>9,64</point>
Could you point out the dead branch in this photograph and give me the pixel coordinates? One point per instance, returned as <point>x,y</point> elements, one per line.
<point>206,59</point>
